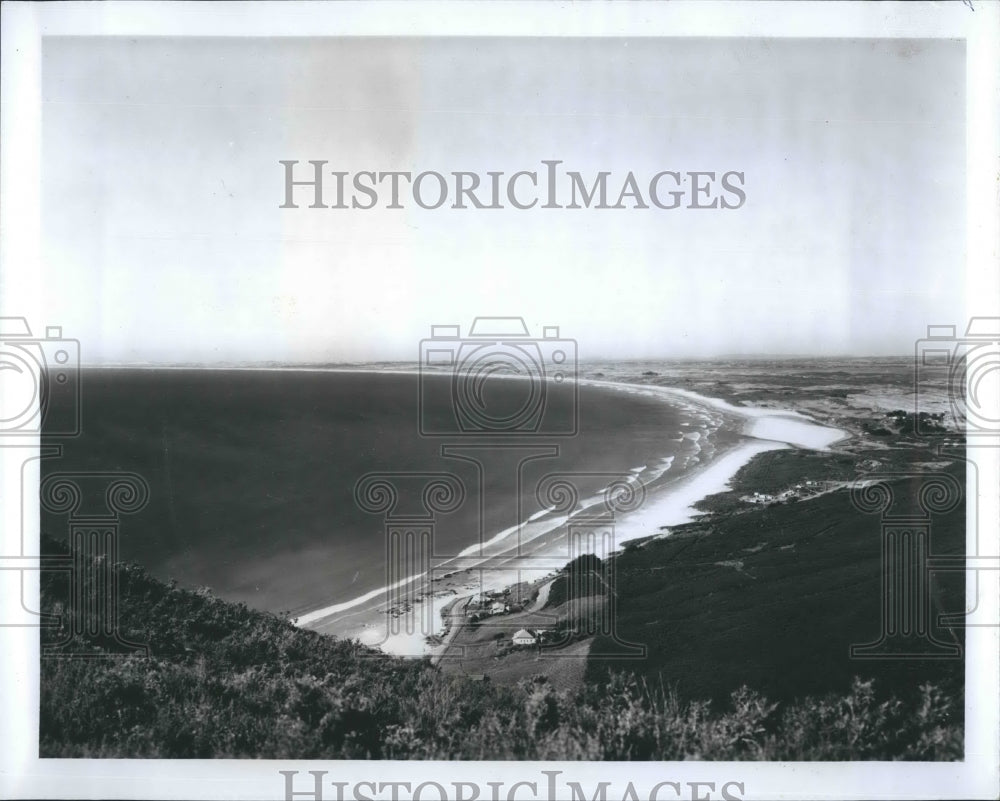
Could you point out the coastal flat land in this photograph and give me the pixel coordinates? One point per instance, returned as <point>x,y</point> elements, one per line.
<point>485,648</point>
<point>841,392</point>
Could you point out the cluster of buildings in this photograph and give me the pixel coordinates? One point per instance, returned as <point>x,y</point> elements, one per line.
<point>803,490</point>
<point>487,604</point>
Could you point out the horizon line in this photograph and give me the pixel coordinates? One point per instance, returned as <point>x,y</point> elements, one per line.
<point>594,361</point>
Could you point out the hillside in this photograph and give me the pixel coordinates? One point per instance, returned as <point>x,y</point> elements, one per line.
<point>774,596</point>
<point>222,680</point>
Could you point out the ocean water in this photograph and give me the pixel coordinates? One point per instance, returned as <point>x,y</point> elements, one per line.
<point>254,474</point>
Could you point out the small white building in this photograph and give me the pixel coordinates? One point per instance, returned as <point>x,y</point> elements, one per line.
<point>498,608</point>
<point>524,637</point>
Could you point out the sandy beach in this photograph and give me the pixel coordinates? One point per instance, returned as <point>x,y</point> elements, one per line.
<point>396,622</point>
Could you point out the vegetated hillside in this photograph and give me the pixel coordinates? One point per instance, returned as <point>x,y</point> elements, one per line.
<point>223,680</point>
<point>774,598</point>
<point>583,577</point>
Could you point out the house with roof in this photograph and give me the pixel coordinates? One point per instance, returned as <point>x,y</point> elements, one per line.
<point>524,637</point>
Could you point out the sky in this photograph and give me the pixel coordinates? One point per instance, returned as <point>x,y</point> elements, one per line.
<point>163,240</point>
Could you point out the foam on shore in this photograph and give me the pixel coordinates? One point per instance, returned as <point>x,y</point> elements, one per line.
<point>668,503</point>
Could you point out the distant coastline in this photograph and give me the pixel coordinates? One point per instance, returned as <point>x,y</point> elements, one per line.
<point>758,421</point>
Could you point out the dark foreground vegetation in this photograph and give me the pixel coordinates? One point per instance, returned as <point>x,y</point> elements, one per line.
<point>222,680</point>
<point>775,597</point>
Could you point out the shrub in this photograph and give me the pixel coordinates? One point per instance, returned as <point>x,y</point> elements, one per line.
<point>226,681</point>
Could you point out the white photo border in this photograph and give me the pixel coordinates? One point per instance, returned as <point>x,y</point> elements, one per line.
<point>23,774</point>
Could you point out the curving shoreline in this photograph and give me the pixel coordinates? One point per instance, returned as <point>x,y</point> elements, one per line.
<point>763,430</point>
<point>669,504</point>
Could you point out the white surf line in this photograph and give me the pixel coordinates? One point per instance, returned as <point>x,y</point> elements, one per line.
<point>772,428</point>
<point>328,611</point>
<point>503,552</point>
<point>484,561</point>
<point>675,505</point>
